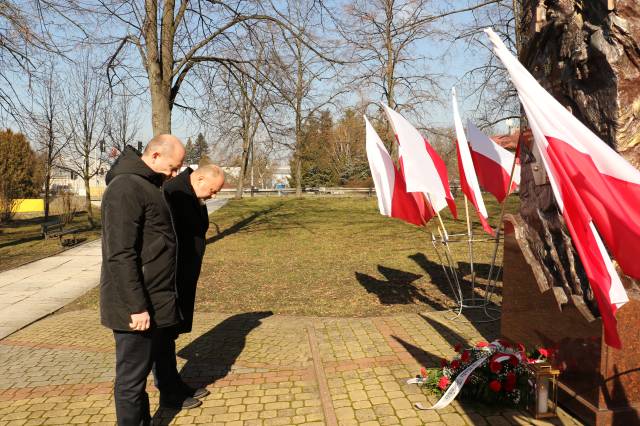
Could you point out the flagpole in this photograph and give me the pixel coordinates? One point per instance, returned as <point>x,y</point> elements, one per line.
<point>445,241</point>
<point>489,288</point>
<point>470,234</point>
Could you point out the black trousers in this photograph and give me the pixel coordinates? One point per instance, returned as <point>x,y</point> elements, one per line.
<point>136,354</point>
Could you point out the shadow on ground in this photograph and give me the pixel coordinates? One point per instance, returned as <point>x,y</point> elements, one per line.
<point>241,224</point>
<point>397,287</point>
<point>211,355</point>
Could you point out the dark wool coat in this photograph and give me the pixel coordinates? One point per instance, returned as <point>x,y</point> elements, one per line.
<point>138,247</point>
<point>191,221</point>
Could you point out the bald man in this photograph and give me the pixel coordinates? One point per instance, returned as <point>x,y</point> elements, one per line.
<point>186,194</point>
<point>138,277</point>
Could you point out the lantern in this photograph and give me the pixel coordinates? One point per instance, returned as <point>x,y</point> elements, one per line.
<point>544,399</point>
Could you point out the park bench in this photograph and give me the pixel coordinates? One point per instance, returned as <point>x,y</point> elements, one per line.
<point>55,228</point>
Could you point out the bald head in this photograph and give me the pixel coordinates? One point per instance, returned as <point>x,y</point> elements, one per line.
<point>164,154</point>
<point>207,181</point>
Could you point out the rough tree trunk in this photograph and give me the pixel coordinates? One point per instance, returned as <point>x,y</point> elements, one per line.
<point>586,54</point>
<point>160,108</point>
<point>47,196</point>
<point>243,164</point>
<point>87,198</point>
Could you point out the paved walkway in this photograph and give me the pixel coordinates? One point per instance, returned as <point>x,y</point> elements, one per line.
<point>262,369</point>
<point>37,289</point>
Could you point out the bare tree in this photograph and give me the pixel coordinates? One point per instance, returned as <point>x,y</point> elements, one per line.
<point>495,99</point>
<point>87,124</point>
<point>174,37</point>
<point>386,37</point>
<point>44,118</point>
<point>25,32</point>
<point>300,73</point>
<point>124,121</point>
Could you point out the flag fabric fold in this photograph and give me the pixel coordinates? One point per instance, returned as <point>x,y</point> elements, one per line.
<point>424,170</point>
<point>493,164</point>
<point>393,198</point>
<point>468,180</point>
<point>597,191</point>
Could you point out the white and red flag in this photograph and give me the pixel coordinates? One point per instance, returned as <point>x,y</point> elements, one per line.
<point>597,191</point>
<point>468,180</point>
<point>493,164</point>
<point>423,169</point>
<point>393,198</point>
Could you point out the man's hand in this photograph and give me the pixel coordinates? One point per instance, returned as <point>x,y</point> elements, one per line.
<point>140,322</point>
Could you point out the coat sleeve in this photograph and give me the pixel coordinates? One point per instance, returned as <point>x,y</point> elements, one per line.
<point>123,217</point>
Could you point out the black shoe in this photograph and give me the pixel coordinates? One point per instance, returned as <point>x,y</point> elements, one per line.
<point>199,393</point>
<point>179,402</point>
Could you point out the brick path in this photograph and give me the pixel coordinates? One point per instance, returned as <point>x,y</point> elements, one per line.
<point>262,369</point>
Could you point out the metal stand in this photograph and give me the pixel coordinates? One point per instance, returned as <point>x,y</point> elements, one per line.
<point>451,271</point>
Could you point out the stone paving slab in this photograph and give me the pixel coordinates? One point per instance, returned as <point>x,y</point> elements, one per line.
<point>262,369</point>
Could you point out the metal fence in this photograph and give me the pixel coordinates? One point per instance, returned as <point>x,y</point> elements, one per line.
<point>322,191</point>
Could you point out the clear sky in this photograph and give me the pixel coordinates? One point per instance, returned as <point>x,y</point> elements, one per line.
<point>454,59</point>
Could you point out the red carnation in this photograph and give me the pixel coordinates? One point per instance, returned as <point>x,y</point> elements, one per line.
<point>544,352</point>
<point>443,362</point>
<point>513,360</point>
<point>521,348</point>
<point>423,372</point>
<point>495,386</point>
<point>495,367</point>
<point>465,356</point>
<point>443,382</point>
<point>458,347</point>
<point>455,364</point>
<point>482,344</point>
<point>510,382</point>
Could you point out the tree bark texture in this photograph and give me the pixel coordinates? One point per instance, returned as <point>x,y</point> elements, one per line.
<point>586,54</point>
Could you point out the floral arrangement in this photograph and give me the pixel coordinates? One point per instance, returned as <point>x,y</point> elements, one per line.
<point>502,377</point>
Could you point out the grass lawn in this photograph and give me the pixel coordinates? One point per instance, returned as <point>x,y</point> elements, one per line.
<point>21,241</point>
<point>324,256</point>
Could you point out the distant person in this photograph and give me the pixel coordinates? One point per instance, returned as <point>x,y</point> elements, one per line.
<point>186,194</point>
<point>137,282</point>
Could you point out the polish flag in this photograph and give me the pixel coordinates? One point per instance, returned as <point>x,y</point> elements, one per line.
<point>597,191</point>
<point>423,168</point>
<point>468,180</point>
<point>393,198</point>
<point>493,164</point>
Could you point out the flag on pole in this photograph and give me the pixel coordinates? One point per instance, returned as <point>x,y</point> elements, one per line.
<point>393,198</point>
<point>493,164</point>
<point>597,191</point>
<point>423,168</point>
<point>468,180</point>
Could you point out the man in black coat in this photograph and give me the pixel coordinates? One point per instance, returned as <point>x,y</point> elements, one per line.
<point>137,282</point>
<point>186,194</point>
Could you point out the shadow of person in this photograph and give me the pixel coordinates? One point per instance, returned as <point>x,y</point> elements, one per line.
<point>243,223</point>
<point>422,357</point>
<point>210,356</point>
<point>397,288</point>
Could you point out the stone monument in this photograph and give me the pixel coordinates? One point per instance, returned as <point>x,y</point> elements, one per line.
<point>587,55</point>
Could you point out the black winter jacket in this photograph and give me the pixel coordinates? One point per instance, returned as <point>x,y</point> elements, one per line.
<point>138,247</point>
<point>191,222</point>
